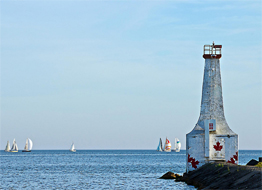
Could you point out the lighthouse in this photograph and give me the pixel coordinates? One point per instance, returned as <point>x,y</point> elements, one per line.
<point>211,139</point>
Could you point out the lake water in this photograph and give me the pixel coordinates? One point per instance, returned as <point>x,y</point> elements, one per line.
<point>96,169</point>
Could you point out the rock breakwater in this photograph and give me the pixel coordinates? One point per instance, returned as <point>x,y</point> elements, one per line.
<point>221,175</point>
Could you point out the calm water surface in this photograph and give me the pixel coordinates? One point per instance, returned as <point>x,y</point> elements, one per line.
<point>96,169</point>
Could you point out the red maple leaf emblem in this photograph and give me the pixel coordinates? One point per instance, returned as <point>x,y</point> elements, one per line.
<point>189,159</point>
<point>236,156</point>
<point>217,147</point>
<point>233,159</point>
<point>192,161</point>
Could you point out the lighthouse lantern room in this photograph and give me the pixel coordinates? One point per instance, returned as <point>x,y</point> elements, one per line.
<point>211,139</point>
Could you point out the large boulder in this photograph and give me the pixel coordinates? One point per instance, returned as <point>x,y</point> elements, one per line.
<point>170,175</point>
<point>252,162</point>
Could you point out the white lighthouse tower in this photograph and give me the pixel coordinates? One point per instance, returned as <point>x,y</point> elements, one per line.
<point>211,139</point>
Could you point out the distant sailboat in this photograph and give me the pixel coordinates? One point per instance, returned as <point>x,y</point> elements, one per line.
<point>14,147</point>
<point>72,149</point>
<point>167,147</point>
<point>177,145</point>
<point>7,148</point>
<point>28,145</point>
<point>160,147</point>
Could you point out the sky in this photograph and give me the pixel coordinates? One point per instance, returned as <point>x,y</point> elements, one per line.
<point>122,74</point>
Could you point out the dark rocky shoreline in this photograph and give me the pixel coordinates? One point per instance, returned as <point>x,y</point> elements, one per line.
<point>221,175</point>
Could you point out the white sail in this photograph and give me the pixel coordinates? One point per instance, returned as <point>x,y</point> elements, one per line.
<point>14,147</point>
<point>177,145</point>
<point>72,149</point>
<point>30,144</point>
<point>159,148</point>
<point>7,148</point>
<point>26,144</point>
<point>167,146</point>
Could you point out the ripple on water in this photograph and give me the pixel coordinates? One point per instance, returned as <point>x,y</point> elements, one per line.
<point>90,170</point>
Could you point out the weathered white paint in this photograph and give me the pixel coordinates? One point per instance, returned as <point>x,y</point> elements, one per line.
<point>207,139</point>
<point>223,142</point>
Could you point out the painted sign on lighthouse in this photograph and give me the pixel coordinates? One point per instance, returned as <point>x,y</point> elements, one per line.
<point>211,139</point>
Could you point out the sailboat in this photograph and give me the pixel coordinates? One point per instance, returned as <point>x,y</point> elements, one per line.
<point>28,145</point>
<point>7,148</point>
<point>177,145</point>
<point>14,147</point>
<point>72,149</point>
<point>160,147</point>
<point>167,147</point>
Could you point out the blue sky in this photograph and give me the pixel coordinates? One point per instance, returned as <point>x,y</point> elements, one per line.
<point>122,74</point>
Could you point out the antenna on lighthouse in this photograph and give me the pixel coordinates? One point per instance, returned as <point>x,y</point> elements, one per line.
<point>211,139</point>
